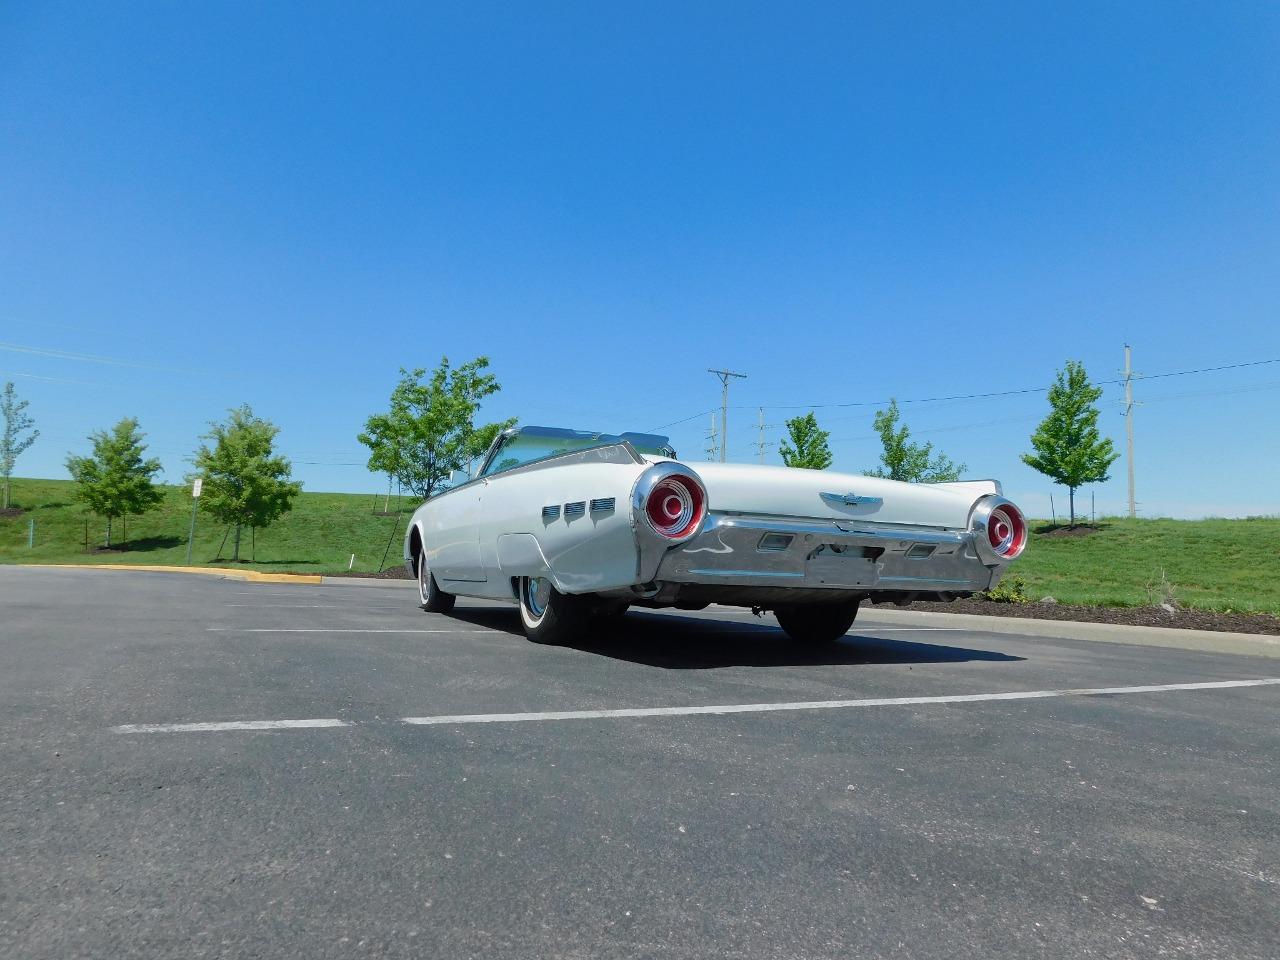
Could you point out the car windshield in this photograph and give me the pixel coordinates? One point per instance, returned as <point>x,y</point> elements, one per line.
<point>530,444</point>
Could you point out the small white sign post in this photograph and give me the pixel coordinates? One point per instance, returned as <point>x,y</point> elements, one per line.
<point>196,487</point>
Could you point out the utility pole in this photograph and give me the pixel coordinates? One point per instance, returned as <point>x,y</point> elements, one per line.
<point>712,449</point>
<point>761,444</point>
<point>1128,423</point>
<point>724,376</point>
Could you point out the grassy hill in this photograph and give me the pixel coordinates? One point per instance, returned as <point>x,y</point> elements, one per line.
<point>1210,564</point>
<point>318,535</point>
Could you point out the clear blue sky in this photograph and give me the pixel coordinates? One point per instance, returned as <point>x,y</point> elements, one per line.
<point>283,205</point>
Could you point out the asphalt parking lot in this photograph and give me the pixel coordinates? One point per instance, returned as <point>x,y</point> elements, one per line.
<point>200,767</point>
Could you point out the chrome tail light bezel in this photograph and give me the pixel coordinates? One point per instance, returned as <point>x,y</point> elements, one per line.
<point>1000,530</point>
<point>685,503</point>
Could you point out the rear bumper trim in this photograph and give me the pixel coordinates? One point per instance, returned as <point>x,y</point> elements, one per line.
<point>826,554</point>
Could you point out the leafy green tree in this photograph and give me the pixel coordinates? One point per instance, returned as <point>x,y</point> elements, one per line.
<point>1068,448</point>
<point>429,433</point>
<point>12,442</point>
<point>246,483</point>
<point>903,460</point>
<point>116,481</point>
<point>808,444</point>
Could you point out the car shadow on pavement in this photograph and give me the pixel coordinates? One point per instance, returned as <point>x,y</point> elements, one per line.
<point>673,642</point>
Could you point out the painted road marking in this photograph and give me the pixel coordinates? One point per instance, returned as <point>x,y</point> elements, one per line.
<point>290,606</point>
<point>825,704</point>
<point>335,630</point>
<point>694,711</point>
<point>873,628</point>
<point>229,725</point>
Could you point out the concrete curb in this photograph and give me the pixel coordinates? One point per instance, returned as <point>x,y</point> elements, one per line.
<point>251,576</point>
<point>1209,641</point>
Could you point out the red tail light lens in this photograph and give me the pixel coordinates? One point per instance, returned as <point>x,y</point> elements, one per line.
<point>1007,531</point>
<point>675,506</point>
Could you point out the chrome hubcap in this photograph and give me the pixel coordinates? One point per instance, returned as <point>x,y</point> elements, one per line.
<point>537,595</point>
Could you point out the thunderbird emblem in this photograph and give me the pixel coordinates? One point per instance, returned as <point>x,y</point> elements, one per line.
<point>851,500</point>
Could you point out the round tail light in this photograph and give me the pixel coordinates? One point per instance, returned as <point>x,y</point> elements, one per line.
<point>1007,531</point>
<point>675,506</point>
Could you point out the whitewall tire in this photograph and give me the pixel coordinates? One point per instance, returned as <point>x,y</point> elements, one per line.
<point>434,600</point>
<point>548,615</point>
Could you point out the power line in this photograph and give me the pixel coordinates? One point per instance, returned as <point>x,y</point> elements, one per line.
<point>1009,393</point>
<point>675,423</point>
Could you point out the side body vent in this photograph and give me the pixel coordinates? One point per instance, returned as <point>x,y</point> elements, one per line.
<point>551,513</point>
<point>575,509</point>
<point>603,505</point>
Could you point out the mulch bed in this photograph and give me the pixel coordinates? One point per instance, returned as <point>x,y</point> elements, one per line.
<point>11,511</point>
<point>1183,618</point>
<point>397,572</point>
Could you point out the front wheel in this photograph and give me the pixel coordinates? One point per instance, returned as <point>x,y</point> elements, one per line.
<point>548,615</point>
<point>434,600</point>
<point>817,623</point>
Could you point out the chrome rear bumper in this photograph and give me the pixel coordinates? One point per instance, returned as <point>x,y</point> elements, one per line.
<point>826,555</point>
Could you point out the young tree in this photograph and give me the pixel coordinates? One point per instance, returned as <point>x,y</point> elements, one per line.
<point>904,460</point>
<point>429,433</point>
<point>246,483</point>
<point>116,482</point>
<point>1068,447</point>
<point>808,444</point>
<point>12,442</point>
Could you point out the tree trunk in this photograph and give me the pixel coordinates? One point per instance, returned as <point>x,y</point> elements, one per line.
<point>108,533</point>
<point>1072,498</point>
<point>235,550</point>
<point>253,544</point>
<point>124,543</point>
<point>6,493</point>
<point>386,504</point>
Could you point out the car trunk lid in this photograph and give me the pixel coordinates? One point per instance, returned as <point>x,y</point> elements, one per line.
<point>794,492</point>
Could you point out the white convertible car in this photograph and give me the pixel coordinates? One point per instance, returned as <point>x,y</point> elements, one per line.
<point>573,525</point>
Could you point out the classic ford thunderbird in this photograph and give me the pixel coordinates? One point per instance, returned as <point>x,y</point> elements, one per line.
<point>573,525</point>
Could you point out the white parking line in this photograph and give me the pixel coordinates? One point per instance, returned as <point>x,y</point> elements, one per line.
<point>334,630</point>
<point>875,628</point>
<point>824,704</point>
<point>230,725</point>
<point>727,708</point>
<point>291,606</point>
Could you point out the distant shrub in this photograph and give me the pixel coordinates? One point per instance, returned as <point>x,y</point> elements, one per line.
<point>1011,589</point>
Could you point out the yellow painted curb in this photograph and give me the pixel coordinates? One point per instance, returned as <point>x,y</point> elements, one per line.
<point>252,576</point>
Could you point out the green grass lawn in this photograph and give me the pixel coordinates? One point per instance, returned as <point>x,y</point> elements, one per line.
<point>318,535</point>
<point>1211,564</point>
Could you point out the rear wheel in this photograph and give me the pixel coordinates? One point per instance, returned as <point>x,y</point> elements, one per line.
<point>548,615</point>
<point>434,600</point>
<point>817,623</point>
